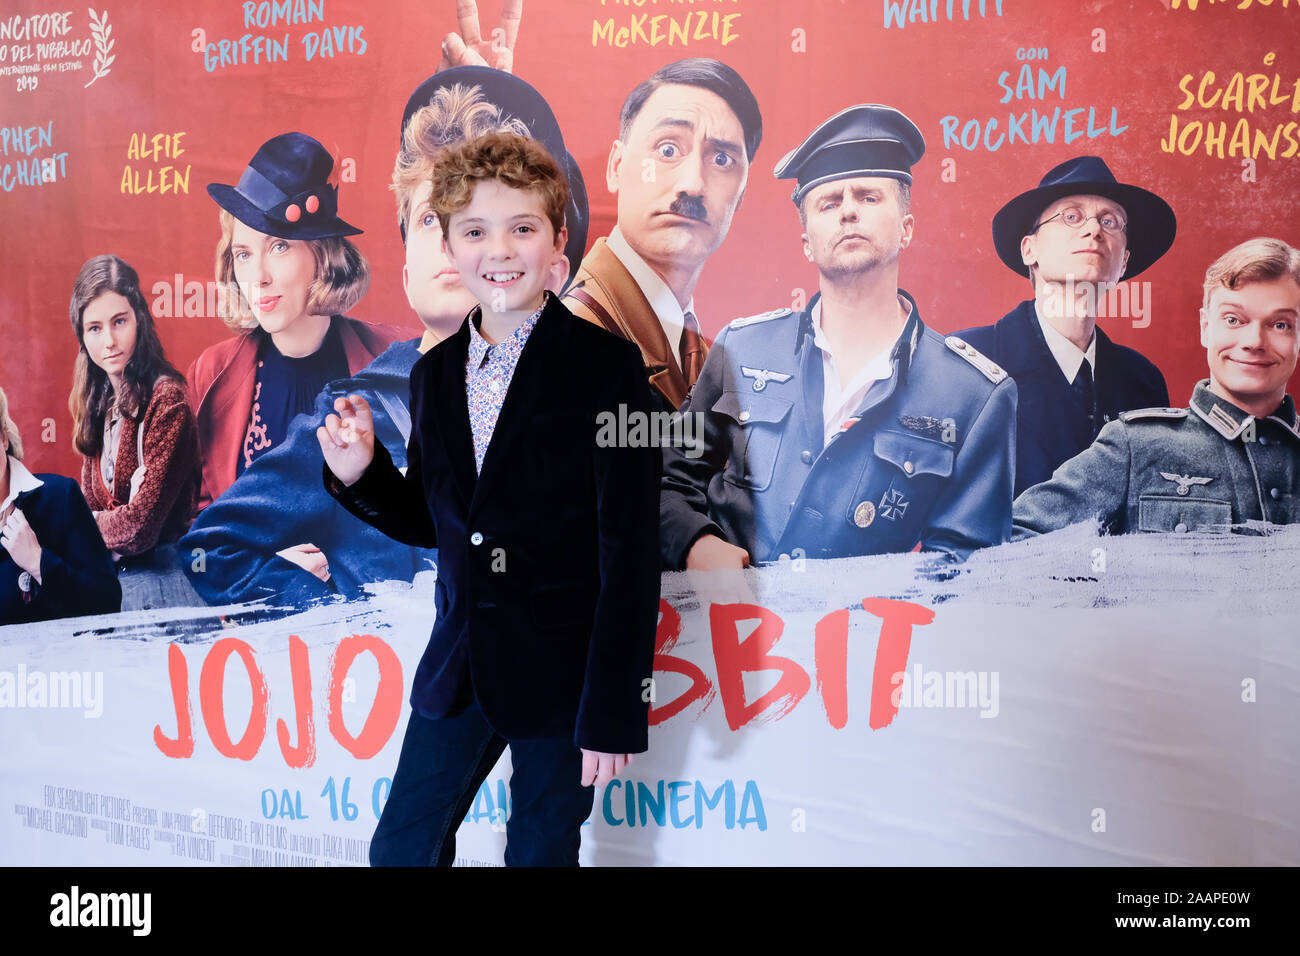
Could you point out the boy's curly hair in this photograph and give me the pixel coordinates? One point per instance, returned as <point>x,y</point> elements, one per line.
<point>516,161</point>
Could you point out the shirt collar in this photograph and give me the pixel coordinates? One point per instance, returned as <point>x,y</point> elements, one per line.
<point>1229,420</point>
<point>479,346</point>
<point>911,327</point>
<point>1066,353</point>
<point>20,480</point>
<point>655,290</point>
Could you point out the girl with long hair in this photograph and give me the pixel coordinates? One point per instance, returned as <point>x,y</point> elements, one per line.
<point>134,428</point>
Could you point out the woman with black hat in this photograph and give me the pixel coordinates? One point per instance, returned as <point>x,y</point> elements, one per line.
<point>290,274</point>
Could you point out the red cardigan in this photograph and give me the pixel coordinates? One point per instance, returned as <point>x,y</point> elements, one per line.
<point>165,503</point>
<point>221,393</point>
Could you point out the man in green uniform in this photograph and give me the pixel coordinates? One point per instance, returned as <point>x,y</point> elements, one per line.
<point>1230,458</point>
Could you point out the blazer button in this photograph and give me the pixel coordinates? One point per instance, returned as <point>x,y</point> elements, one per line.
<point>744,416</point>
<point>908,467</point>
<point>1274,493</point>
<point>1180,528</point>
<point>476,538</point>
<point>805,457</point>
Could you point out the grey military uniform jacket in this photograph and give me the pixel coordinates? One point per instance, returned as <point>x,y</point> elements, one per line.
<point>929,457</point>
<point>1202,468</point>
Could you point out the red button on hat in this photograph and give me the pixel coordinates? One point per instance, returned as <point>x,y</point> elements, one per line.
<point>312,204</point>
<point>293,213</point>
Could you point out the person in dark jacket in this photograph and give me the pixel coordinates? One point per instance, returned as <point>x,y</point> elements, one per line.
<point>53,562</point>
<point>247,545</point>
<point>544,635</point>
<point>1074,237</point>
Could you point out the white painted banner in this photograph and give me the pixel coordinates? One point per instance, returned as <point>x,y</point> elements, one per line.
<point>1067,700</point>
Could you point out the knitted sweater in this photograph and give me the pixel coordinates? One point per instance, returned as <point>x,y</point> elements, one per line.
<point>167,499</point>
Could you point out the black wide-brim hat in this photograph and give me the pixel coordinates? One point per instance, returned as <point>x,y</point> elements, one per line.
<point>516,99</point>
<point>288,190</point>
<point>1151,221</point>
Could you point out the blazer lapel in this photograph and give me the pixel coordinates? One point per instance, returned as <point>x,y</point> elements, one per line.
<point>527,387</point>
<point>451,409</point>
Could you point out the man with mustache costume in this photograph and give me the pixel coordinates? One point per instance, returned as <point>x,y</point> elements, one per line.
<point>678,169</point>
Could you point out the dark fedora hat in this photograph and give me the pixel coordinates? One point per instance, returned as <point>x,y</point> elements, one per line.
<point>518,100</point>
<point>287,190</point>
<point>1151,222</point>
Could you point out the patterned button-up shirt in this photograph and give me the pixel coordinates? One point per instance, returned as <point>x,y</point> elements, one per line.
<point>488,371</point>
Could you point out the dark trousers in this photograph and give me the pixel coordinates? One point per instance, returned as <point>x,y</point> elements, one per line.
<point>442,765</point>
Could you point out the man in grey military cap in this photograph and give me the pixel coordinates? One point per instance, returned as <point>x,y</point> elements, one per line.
<point>848,428</point>
<point>1233,455</point>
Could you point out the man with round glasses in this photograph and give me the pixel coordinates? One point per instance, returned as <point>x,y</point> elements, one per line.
<point>1074,237</point>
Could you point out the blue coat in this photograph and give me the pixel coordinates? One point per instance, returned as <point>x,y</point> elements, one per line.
<point>930,459</point>
<point>1049,427</point>
<point>279,502</point>
<point>77,574</point>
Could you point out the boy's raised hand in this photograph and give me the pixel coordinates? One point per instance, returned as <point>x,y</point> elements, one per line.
<point>347,440</point>
<point>599,768</point>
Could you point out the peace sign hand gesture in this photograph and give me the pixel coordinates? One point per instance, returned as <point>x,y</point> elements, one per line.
<point>468,48</point>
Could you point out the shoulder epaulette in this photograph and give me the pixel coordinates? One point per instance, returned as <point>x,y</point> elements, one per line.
<point>1140,413</point>
<point>993,372</point>
<point>761,317</point>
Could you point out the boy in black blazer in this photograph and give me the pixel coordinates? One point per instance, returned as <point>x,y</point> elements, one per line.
<point>548,576</point>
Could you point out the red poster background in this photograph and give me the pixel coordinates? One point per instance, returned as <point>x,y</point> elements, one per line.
<point>353,103</point>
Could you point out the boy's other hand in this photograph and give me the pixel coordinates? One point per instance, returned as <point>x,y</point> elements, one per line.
<point>716,569</point>
<point>599,768</point>
<point>709,553</point>
<point>347,439</point>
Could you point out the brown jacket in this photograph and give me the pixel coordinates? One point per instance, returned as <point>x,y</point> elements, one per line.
<point>605,293</point>
<point>164,505</point>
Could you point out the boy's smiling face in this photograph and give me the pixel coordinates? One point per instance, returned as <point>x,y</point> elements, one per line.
<point>504,247</point>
